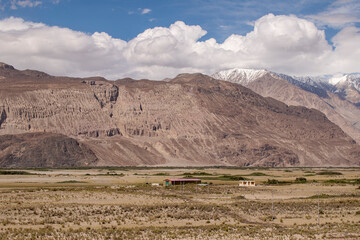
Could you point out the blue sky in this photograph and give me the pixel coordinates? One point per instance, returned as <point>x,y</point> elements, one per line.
<point>124,20</point>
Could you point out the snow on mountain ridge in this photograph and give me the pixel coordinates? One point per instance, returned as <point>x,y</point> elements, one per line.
<point>317,84</point>
<point>239,75</point>
<point>350,80</point>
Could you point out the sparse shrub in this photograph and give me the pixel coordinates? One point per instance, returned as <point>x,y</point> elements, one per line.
<point>16,173</point>
<point>336,181</point>
<point>161,174</point>
<point>198,173</point>
<point>272,181</point>
<point>329,173</point>
<point>71,181</point>
<point>277,182</point>
<point>232,177</point>
<point>300,179</point>
<point>320,196</point>
<point>239,197</point>
<point>257,174</point>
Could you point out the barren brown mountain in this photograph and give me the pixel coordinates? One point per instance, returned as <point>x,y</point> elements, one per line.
<point>337,109</point>
<point>43,150</point>
<point>190,120</point>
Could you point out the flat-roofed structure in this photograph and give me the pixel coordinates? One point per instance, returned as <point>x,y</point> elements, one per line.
<point>247,184</point>
<point>181,181</point>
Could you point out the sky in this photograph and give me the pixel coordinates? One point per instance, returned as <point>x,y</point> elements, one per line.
<point>156,39</point>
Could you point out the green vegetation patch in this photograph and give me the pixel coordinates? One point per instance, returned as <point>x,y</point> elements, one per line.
<point>257,174</point>
<point>161,174</point>
<point>232,177</point>
<point>277,182</point>
<point>3,172</point>
<point>110,174</point>
<point>321,196</point>
<point>333,196</point>
<point>71,181</point>
<point>329,173</point>
<point>220,178</point>
<point>343,181</point>
<point>300,180</point>
<point>197,174</point>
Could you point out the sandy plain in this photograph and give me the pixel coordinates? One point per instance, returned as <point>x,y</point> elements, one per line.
<point>121,203</point>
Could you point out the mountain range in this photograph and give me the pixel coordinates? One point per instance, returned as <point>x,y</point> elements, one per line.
<point>190,120</point>
<point>337,98</point>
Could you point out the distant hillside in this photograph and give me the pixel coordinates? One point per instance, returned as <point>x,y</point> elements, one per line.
<point>336,99</point>
<point>190,120</point>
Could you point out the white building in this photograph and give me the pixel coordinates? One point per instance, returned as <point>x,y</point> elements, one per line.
<point>247,184</point>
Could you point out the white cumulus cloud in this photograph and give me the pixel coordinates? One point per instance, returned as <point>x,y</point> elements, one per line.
<point>346,56</point>
<point>281,43</point>
<point>24,3</point>
<point>339,14</point>
<point>286,44</point>
<point>145,11</point>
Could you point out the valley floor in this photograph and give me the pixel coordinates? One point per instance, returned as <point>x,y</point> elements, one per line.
<point>122,203</point>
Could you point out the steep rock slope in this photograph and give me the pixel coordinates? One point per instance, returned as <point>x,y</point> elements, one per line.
<point>303,92</point>
<point>43,150</point>
<point>190,120</point>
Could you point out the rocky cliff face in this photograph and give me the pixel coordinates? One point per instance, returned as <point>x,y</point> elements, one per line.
<point>2,115</point>
<point>190,120</point>
<point>43,150</point>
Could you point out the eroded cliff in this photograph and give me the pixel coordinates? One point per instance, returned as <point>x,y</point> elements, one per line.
<point>190,120</point>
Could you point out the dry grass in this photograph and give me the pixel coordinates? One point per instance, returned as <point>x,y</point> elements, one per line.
<point>84,204</point>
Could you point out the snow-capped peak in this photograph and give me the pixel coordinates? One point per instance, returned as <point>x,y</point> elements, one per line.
<point>240,75</point>
<point>337,79</point>
<point>318,84</point>
<point>350,80</point>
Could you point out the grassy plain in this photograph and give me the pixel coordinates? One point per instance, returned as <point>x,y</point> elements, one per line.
<point>121,203</point>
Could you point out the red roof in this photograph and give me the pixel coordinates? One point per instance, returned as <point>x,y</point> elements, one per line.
<point>183,180</point>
